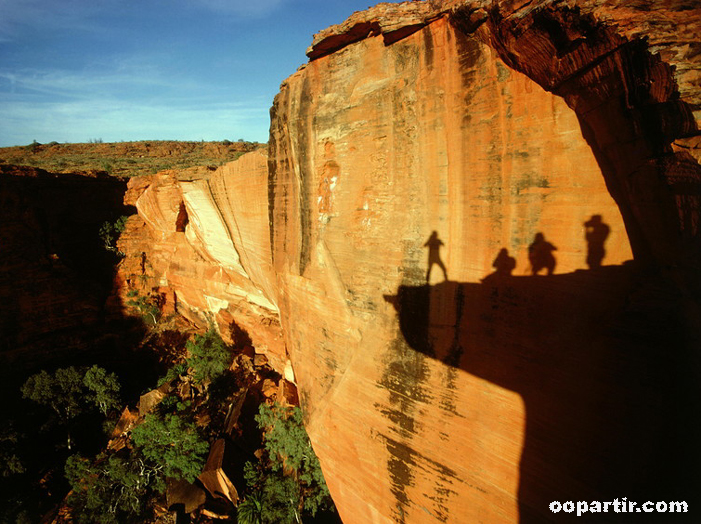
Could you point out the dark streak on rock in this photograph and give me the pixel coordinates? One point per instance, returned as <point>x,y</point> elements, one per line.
<point>403,460</point>
<point>305,175</point>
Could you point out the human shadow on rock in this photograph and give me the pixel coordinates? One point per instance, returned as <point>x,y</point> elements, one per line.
<point>601,362</point>
<point>434,257</point>
<point>596,231</point>
<point>540,255</point>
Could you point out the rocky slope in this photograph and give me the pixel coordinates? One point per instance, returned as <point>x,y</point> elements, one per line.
<point>439,244</point>
<point>125,159</point>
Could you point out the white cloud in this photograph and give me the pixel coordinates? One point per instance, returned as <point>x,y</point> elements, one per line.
<point>116,76</point>
<point>244,8</point>
<point>66,83</point>
<point>129,97</point>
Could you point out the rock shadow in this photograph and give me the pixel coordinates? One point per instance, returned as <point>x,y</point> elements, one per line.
<point>603,363</point>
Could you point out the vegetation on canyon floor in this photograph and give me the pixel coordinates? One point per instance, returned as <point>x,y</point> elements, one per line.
<point>126,159</point>
<point>130,478</point>
<point>69,392</point>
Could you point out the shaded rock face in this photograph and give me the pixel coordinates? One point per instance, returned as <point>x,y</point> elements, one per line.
<point>55,274</point>
<point>452,203</point>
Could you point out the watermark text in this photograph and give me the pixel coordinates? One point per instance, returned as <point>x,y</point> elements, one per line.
<point>618,506</point>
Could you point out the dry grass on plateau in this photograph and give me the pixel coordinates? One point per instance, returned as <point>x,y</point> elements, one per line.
<point>125,159</point>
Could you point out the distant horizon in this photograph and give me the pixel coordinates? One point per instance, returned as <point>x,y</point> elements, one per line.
<point>98,141</point>
<point>188,70</point>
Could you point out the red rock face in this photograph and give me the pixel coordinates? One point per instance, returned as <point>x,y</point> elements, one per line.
<point>451,212</point>
<point>201,244</point>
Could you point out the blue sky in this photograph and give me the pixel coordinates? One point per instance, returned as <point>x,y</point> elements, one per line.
<point>77,70</point>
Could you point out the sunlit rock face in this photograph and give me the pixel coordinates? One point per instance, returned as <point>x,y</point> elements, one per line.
<point>455,189</point>
<point>201,243</point>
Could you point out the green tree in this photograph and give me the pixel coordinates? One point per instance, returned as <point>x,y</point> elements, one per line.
<point>291,482</point>
<point>275,497</point>
<point>61,391</point>
<point>104,389</point>
<point>71,391</point>
<point>173,443</point>
<point>112,489</point>
<point>209,356</point>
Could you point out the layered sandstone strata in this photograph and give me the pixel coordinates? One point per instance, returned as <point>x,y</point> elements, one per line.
<point>201,245</point>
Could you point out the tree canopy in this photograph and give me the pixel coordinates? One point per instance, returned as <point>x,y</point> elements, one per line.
<point>290,483</point>
<point>70,392</point>
<point>209,356</point>
<point>172,442</point>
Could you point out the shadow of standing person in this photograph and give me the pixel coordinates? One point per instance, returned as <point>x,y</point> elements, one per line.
<point>540,255</point>
<point>596,232</point>
<point>434,245</point>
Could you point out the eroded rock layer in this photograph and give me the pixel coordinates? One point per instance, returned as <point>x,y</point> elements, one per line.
<point>200,247</point>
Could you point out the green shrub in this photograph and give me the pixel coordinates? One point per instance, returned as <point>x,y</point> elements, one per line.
<point>250,510</point>
<point>173,373</point>
<point>173,443</point>
<point>147,306</point>
<point>33,146</point>
<point>280,499</point>
<point>110,231</point>
<point>290,483</point>
<point>107,166</point>
<point>209,356</point>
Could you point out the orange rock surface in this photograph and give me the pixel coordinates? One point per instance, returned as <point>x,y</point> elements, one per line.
<point>443,230</point>
<point>201,241</point>
<point>490,392</point>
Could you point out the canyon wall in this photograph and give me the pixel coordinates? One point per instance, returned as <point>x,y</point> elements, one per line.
<point>475,239</point>
<point>485,393</point>
<point>200,247</point>
<point>55,273</point>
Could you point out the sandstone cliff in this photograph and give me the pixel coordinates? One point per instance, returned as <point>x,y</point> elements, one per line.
<point>201,243</point>
<point>440,244</point>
